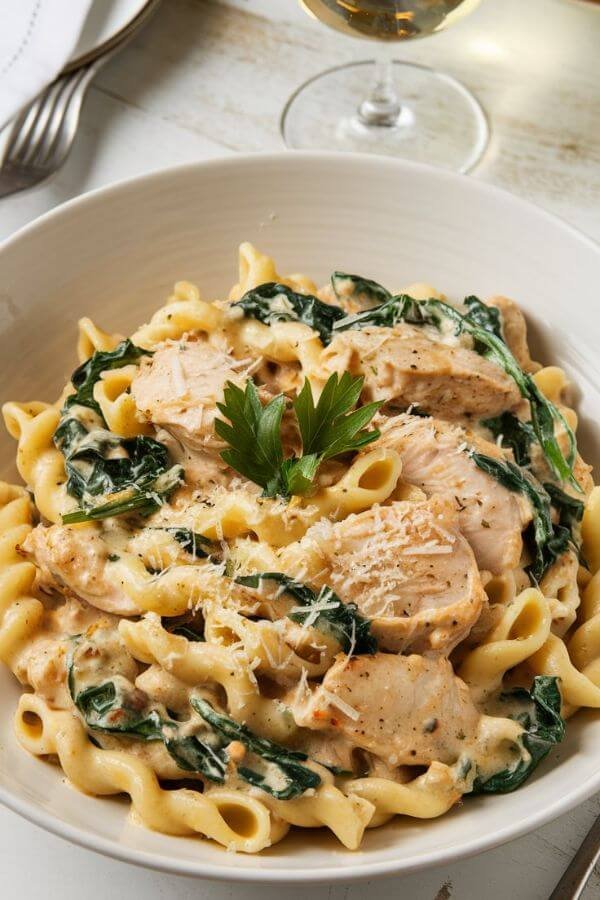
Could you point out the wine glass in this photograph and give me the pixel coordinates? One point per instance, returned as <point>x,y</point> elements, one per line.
<point>409,110</point>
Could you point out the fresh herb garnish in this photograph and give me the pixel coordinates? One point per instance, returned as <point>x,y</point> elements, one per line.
<point>329,429</point>
<point>273,302</point>
<point>544,727</point>
<point>514,434</point>
<point>325,611</point>
<point>254,437</point>
<point>291,777</point>
<point>131,474</point>
<point>548,541</point>
<point>483,325</point>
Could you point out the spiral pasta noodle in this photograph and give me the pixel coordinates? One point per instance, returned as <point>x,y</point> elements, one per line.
<point>300,558</point>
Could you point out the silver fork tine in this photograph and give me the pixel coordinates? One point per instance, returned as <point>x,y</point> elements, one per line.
<point>22,127</point>
<point>28,154</point>
<point>43,133</point>
<point>51,137</point>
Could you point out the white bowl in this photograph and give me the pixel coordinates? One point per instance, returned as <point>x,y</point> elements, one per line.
<point>114,254</point>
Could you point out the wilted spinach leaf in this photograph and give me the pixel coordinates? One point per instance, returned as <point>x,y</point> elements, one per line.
<point>191,541</point>
<point>514,433</point>
<point>482,323</point>
<point>132,474</point>
<point>483,316</point>
<point>362,290</point>
<point>292,778</point>
<point>548,541</point>
<point>273,302</point>
<point>88,373</point>
<point>324,610</point>
<point>570,510</point>
<point>116,707</point>
<point>540,717</point>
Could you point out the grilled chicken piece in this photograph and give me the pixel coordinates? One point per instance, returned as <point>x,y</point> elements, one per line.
<point>402,366</point>
<point>491,517</point>
<point>514,331</point>
<point>177,389</point>
<point>78,561</point>
<point>406,566</point>
<point>409,710</point>
<point>74,560</point>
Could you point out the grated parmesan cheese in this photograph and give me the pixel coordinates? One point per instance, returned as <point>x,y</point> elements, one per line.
<point>340,704</point>
<point>178,377</point>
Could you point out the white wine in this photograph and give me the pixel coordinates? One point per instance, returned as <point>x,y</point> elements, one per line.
<point>388,20</point>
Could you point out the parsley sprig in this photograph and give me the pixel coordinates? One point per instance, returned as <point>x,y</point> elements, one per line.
<point>328,429</point>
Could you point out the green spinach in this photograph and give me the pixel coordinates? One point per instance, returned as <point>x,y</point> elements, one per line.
<point>570,510</point>
<point>192,542</point>
<point>131,474</point>
<point>548,541</point>
<point>88,373</point>
<point>292,778</point>
<point>544,727</point>
<point>483,316</point>
<point>364,290</point>
<point>116,707</point>
<point>324,610</point>
<point>483,325</point>
<point>273,302</point>
<point>186,631</point>
<point>514,434</point>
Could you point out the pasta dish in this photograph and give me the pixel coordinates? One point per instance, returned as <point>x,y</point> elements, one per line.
<point>302,557</point>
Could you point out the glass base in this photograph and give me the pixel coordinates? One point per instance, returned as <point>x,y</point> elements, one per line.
<point>438,122</point>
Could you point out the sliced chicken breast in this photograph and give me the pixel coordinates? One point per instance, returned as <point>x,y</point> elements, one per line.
<point>407,568</point>
<point>402,366</point>
<point>74,560</point>
<point>408,710</point>
<point>177,389</point>
<point>491,517</point>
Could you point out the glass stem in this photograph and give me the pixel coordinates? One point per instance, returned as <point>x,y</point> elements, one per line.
<point>382,107</point>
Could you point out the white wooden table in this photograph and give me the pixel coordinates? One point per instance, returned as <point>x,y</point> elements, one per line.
<point>207,78</point>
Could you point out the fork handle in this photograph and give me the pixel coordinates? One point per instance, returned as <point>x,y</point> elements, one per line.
<point>577,873</point>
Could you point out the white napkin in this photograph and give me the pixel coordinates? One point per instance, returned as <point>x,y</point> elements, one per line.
<point>37,38</point>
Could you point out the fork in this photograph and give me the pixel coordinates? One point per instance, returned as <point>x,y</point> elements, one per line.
<point>579,870</point>
<point>42,135</point>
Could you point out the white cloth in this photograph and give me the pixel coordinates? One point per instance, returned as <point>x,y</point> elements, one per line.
<point>37,39</point>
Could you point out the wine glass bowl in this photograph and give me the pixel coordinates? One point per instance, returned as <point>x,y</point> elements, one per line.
<point>411,111</point>
<point>388,20</point>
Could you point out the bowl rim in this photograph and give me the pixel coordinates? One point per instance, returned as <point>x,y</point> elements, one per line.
<point>260,159</point>
<point>363,868</point>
